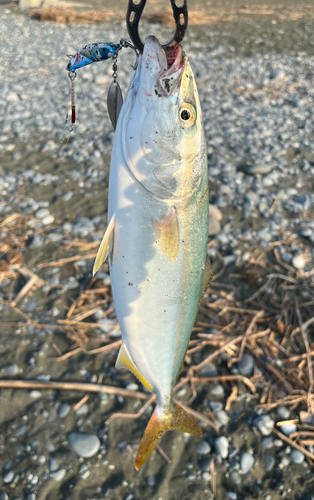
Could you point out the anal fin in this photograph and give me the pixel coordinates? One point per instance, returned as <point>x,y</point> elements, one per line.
<point>125,361</point>
<point>106,246</point>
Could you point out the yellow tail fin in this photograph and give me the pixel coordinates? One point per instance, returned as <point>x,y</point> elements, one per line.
<point>178,419</point>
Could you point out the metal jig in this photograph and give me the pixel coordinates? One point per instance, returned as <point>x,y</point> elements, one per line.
<point>134,14</point>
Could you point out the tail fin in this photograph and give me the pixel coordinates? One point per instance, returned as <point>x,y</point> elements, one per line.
<point>177,419</point>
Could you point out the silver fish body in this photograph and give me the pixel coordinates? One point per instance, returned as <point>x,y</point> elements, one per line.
<point>158,211</point>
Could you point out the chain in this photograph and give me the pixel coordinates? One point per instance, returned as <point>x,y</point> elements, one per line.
<point>72,76</point>
<point>115,67</point>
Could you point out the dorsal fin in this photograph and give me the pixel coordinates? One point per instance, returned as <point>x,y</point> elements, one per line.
<point>125,361</point>
<point>106,246</point>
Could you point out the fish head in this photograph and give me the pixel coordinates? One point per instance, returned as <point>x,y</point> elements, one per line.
<point>162,123</point>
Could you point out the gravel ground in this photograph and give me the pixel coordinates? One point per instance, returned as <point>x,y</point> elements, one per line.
<point>257,94</point>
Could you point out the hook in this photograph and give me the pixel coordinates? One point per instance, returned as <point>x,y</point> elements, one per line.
<point>134,14</point>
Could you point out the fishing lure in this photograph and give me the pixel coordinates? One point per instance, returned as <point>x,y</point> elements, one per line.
<point>95,52</point>
<point>91,53</point>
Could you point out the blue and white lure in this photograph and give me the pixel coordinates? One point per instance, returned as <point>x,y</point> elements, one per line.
<point>95,52</point>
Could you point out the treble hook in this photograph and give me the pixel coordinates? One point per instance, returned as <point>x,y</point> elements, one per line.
<point>134,14</point>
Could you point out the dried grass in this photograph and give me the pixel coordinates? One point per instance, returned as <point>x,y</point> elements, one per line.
<point>61,15</point>
<point>273,321</point>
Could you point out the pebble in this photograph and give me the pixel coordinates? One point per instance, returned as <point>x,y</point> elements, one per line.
<point>288,429</point>
<point>246,462</point>
<point>42,212</point>
<point>67,196</point>
<point>30,496</point>
<point>298,262</point>
<point>205,464</point>
<point>53,464</point>
<point>255,169</point>
<point>235,477</point>
<point>206,476</point>
<point>215,212</point>
<point>297,456</point>
<point>217,390</point>
<point>83,410</point>
<point>214,226</point>
<point>35,394</point>
<point>269,462</point>
<point>132,387</point>
<point>71,283</point>
<point>221,418</point>
<point>284,462</point>
<point>203,448</point>
<point>58,475</point>
<point>215,406</point>
<point>151,481</point>
<point>222,446</point>
<point>246,365</point>
<point>8,477</point>
<point>232,495</point>
<point>11,370</point>
<point>64,410</point>
<point>12,97</point>
<point>283,412</point>
<point>85,445</point>
<point>209,370</point>
<point>3,495</point>
<point>48,220</point>
<point>264,424</point>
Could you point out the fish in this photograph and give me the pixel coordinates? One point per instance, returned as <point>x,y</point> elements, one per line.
<point>157,235</point>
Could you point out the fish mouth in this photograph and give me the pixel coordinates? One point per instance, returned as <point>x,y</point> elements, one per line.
<point>161,68</point>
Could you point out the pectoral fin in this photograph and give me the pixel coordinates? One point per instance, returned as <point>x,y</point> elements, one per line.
<point>168,234</point>
<point>106,246</point>
<point>125,361</point>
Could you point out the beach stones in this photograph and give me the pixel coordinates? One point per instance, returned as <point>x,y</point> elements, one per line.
<point>203,448</point>
<point>246,365</point>
<point>64,410</point>
<point>264,424</point>
<point>297,456</point>
<point>246,462</point>
<point>269,462</point>
<point>85,445</point>
<point>222,446</point>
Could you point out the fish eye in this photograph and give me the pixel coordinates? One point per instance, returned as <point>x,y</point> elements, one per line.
<point>187,115</point>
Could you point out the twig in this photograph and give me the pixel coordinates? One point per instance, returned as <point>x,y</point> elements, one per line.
<point>231,398</point>
<point>226,378</point>
<point>105,349</point>
<point>309,362</point>
<point>16,309</point>
<point>213,476</point>
<point>69,386</point>
<point>24,291</point>
<point>67,260</point>
<point>199,416</point>
<point>294,444</point>
<point>163,454</point>
<point>132,415</point>
<point>81,402</point>
<point>247,333</point>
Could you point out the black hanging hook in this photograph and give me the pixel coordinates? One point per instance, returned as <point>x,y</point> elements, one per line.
<point>134,14</point>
